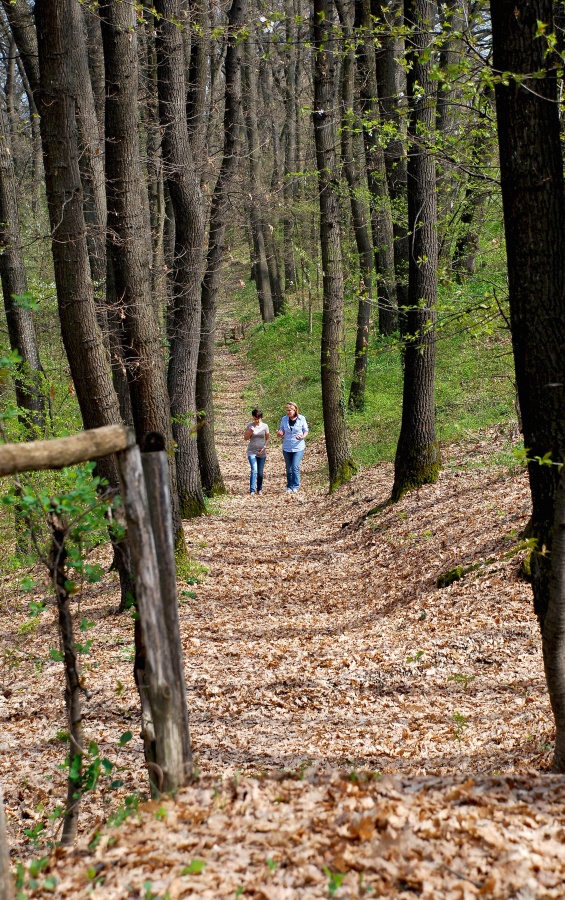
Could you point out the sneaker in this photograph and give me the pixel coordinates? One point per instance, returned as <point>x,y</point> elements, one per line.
<point>295,490</point>
<point>289,491</point>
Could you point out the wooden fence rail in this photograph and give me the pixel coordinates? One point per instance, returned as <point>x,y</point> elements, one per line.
<point>67,451</point>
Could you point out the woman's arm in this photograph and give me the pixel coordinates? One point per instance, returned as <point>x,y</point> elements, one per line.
<point>248,433</point>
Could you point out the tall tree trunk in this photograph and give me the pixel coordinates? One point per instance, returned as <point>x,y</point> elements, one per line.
<point>350,126</point>
<point>531,168</point>
<point>381,212</point>
<point>197,106</point>
<point>128,236</point>
<point>340,462</point>
<point>289,147</point>
<point>82,338</point>
<point>391,84</point>
<point>210,473</point>
<point>160,283</point>
<point>186,198</point>
<point>21,330</point>
<point>256,195</point>
<point>417,458</point>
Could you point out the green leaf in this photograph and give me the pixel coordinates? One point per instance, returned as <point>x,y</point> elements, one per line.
<point>195,867</point>
<point>125,738</point>
<point>56,655</point>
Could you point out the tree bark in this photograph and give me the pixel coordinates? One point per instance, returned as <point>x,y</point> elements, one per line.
<point>391,84</point>
<point>58,572</point>
<point>531,169</point>
<point>259,262</point>
<point>350,126</point>
<point>128,236</point>
<point>341,465</point>
<point>210,472</point>
<point>184,189</point>
<point>381,211</point>
<point>290,100</point>
<point>417,458</point>
<point>21,330</point>
<point>82,338</point>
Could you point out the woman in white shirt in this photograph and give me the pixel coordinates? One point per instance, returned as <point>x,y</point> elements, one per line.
<point>293,429</point>
<point>257,433</point>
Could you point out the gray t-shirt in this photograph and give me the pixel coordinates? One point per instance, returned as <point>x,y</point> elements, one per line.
<point>257,441</point>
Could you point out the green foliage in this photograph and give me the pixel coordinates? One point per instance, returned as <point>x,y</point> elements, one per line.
<point>335,880</point>
<point>460,723</point>
<point>195,867</point>
<point>474,381</point>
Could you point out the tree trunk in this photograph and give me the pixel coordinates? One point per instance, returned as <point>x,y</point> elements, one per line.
<point>350,126</point>
<point>198,81</point>
<point>256,198</point>
<point>128,241</point>
<point>391,84</point>
<point>381,212</point>
<point>59,576</point>
<point>531,169</point>
<point>210,472</point>
<point>340,462</point>
<point>290,103</point>
<point>184,189</point>
<point>82,338</point>
<point>417,458</point>
<point>21,330</point>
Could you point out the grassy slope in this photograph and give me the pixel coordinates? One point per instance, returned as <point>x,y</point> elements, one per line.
<point>474,384</point>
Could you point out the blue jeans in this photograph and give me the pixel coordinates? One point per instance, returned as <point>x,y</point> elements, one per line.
<point>292,460</point>
<point>257,464</point>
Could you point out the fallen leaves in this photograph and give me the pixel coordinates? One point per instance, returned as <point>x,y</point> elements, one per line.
<point>352,724</point>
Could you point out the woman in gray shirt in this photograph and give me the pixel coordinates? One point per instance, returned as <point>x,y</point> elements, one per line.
<point>257,433</point>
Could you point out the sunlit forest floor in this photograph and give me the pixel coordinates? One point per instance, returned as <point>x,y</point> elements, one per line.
<point>357,730</point>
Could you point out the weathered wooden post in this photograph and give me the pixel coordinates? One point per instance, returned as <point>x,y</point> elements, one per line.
<point>168,770</point>
<point>6,883</point>
<point>161,682</point>
<point>156,469</point>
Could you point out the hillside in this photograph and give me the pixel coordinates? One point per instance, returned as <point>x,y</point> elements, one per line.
<point>358,731</point>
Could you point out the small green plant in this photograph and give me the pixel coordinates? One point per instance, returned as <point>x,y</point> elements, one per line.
<point>460,678</point>
<point>239,892</point>
<point>160,814</point>
<point>28,627</point>
<point>63,736</point>
<point>129,807</point>
<point>416,658</point>
<point>460,724</point>
<point>271,865</point>
<point>34,834</point>
<point>195,867</point>
<point>335,880</point>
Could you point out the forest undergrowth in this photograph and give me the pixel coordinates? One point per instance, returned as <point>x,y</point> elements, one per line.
<point>358,731</point>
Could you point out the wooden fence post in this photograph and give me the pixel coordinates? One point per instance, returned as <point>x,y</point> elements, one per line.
<point>156,470</point>
<point>167,772</point>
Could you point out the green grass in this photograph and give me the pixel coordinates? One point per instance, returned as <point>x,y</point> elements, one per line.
<point>474,381</point>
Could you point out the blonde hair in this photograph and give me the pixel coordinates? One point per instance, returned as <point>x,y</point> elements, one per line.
<point>292,403</point>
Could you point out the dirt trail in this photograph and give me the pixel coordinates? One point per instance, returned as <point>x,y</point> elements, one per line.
<point>317,641</point>
<point>308,641</point>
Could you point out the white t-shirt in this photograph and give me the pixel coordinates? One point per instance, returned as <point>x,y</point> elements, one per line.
<point>257,442</point>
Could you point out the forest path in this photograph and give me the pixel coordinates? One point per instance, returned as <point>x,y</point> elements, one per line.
<point>312,642</point>
<point>322,651</point>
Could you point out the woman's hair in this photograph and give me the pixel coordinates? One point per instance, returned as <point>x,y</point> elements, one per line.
<point>256,413</point>
<point>292,403</point>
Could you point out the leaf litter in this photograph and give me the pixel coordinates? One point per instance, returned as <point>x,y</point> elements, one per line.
<point>357,730</point>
